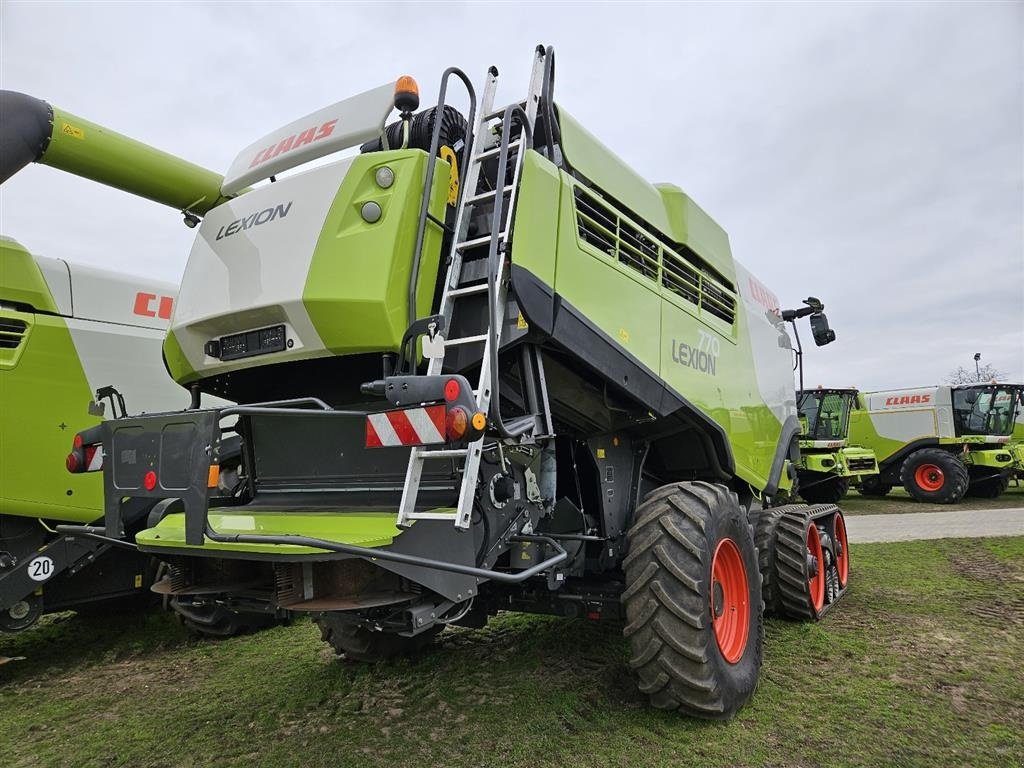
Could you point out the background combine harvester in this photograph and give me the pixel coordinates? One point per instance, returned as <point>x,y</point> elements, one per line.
<point>71,334</point>
<point>828,463</point>
<point>463,360</point>
<point>940,443</point>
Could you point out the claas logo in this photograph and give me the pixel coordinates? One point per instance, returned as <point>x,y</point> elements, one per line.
<point>294,141</point>
<point>151,305</point>
<point>908,400</point>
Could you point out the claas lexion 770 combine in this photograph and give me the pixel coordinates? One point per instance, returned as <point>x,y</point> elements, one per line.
<point>481,365</point>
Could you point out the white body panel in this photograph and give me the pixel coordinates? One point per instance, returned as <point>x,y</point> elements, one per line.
<point>331,129</point>
<point>127,358</point>
<point>911,414</point>
<point>768,337</point>
<point>244,274</point>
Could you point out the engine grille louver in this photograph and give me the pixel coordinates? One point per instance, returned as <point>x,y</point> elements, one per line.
<point>675,268</point>
<point>12,331</point>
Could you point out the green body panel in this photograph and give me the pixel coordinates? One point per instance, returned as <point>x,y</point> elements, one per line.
<point>362,529</point>
<point>862,432</point>
<point>100,154</point>
<point>177,364</point>
<point>645,319</point>
<point>996,458</point>
<point>21,282</point>
<point>663,206</point>
<point>837,462</point>
<point>357,288</point>
<point>48,379</point>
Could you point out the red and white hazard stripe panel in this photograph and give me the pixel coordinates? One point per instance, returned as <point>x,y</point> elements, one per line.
<point>409,426</point>
<point>94,458</point>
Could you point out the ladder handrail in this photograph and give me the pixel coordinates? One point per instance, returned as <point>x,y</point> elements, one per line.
<point>493,267</point>
<point>435,140</point>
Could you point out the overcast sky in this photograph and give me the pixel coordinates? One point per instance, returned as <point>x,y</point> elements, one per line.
<point>870,155</point>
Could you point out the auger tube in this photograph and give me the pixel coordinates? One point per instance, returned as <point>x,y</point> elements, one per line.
<point>34,131</point>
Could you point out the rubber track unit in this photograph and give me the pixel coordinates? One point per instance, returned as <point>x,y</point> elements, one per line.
<point>989,487</point>
<point>676,656</point>
<point>355,642</point>
<point>827,490</point>
<point>764,540</point>
<point>789,563</point>
<point>956,476</point>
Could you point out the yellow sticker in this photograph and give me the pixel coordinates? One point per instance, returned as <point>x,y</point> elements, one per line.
<point>448,155</point>
<point>525,556</point>
<point>138,581</point>
<point>521,323</point>
<point>600,453</point>
<point>623,335</point>
<point>69,130</point>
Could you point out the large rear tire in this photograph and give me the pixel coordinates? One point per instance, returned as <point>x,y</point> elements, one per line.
<point>873,487</point>
<point>693,601</point>
<point>355,642</point>
<point>823,489</point>
<point>934,475</point>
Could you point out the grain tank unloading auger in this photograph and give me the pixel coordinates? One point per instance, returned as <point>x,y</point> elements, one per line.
<point>586,400</point>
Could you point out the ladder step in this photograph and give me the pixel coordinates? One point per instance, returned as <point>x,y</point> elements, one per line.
<point>465,244</point>
<point>500,112</point>
<point>496,150</point>
<point>443,453</point>
<point>430,516</point>
<point>488,195</point>
<point>466,340</point>
<point>468,290</point>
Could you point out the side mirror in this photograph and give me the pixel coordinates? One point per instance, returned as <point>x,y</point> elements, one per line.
<point>819,328</point>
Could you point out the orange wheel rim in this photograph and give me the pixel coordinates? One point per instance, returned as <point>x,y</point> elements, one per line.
<point>816,583</point>
<point>730,601</point>
<point>929,477</point>
<point>843,558</point>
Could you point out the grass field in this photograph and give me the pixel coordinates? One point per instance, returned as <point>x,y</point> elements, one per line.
<point>899,501</point>
<point>919,666</point>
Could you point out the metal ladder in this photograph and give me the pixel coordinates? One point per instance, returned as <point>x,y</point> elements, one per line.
<point>495,285</point>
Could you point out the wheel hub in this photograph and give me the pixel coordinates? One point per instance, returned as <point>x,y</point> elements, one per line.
<point>929,477</point>
<point>717,599</point>
<point>729,601</point>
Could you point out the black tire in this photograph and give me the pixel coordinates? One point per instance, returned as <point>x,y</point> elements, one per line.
<point>823,489</point>
<point>765,532</point>
<point>791,569</point>
<point>212,620</point>
<point>668,601</point>
<point>950,476</point>
<point>872,486</point>
<point>355,642</point>
<point>989,487</point>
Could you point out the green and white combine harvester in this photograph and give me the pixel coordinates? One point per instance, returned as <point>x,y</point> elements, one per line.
<point>481,365</point>
<point>66,332</point>
<point>829,465</point>
<point>940,443</point>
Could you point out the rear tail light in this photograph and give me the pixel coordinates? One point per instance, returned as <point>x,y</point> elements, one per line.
<point>457,424</point>
<point>452,390</point>
<point>84,458</point>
